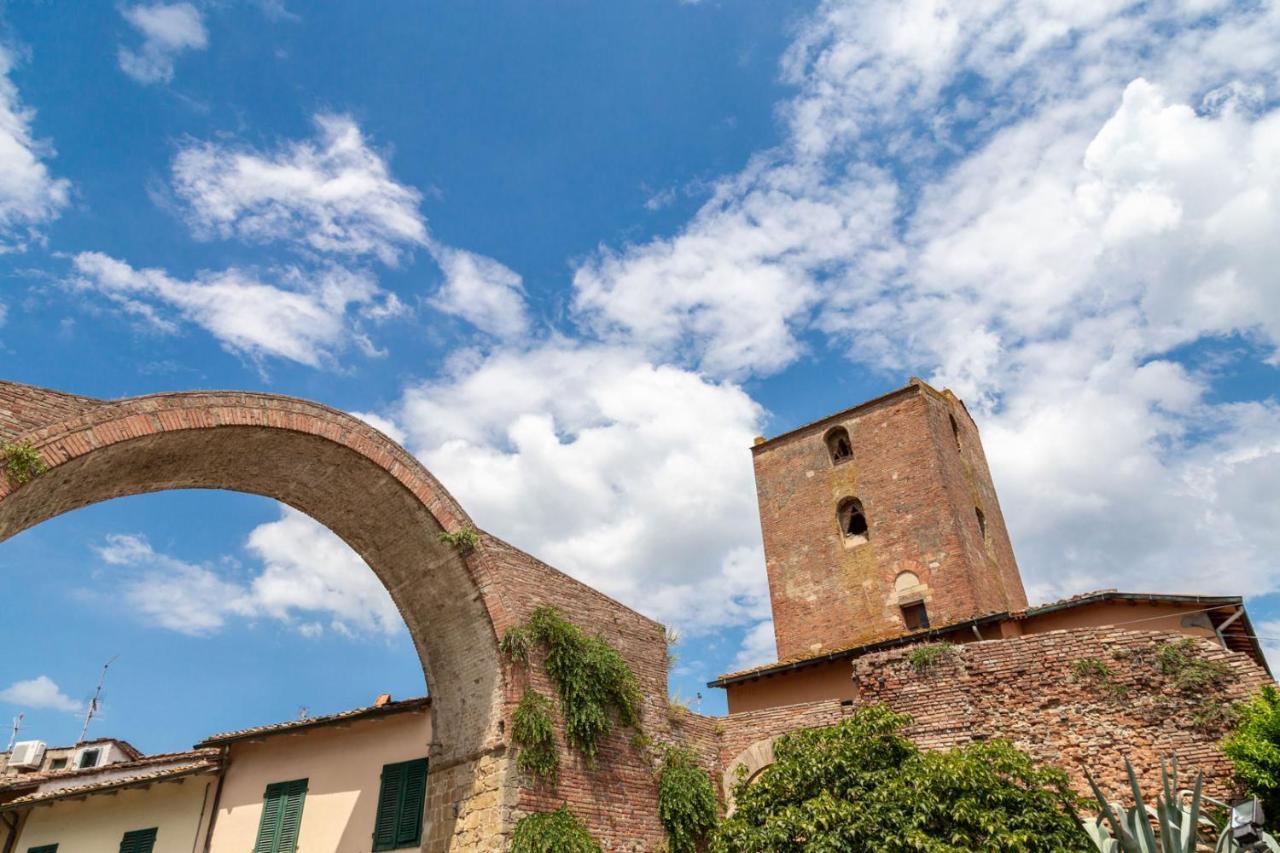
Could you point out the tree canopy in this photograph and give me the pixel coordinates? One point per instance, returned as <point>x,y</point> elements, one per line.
<point>862,785</point>
<point>1254,748</point>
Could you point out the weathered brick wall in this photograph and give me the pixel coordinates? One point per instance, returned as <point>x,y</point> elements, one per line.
<point>24,407</point>
<point>919,491</point>
<point>739,731</point>
<point>1026,690</point>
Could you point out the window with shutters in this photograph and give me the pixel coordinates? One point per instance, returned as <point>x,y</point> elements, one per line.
<point>400,802</point>
<point>43,848</point>
<point>281,817</point>
<point>138,841</point>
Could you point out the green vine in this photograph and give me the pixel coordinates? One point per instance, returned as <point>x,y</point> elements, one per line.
<point>533,731</point>
<point>559,831</point>
<point>592,679</point>
<point>464,540</point>
<point>686,801</point>
<point>1200,680</point>
<point>1098,673</point>
<point>925,658</point>
<point>22,462</point>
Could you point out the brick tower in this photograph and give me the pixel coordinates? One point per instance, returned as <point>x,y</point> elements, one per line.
<point>881,520</point>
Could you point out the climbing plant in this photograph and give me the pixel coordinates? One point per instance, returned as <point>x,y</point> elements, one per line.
<point>22,462</point>
<point>533,731</point>
<point>1099,674</point>
<point>594,682</point>
<point>686,801</point>
<point>559,831</point>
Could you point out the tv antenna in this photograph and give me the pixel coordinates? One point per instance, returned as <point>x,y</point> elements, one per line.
<point>13,738</point>
<point>94,702</point>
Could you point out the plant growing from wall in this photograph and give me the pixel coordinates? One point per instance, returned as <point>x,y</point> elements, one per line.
<point>22,462</point>
<point>687,802</point>
<point>861,785</point>
<point>593,681</point>
<point>559,831</point>
<point>467,539</point>
<point>1198,679</point>
<point>925,658</point>
<point>1254,748</point>
<point>533,731</point>
<point>1100,675</point>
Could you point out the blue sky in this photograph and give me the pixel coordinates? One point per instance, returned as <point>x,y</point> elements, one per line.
<point>575,256</point>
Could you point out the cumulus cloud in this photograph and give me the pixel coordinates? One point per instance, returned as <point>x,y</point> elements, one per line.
<point>29,195</point>
<point>1043,206</point>
<point>631,476</point>
<point>332,194</point>
<point>309,579</point>
<point>481,291</point>
<point>167,30</point>
<point>307,316</point>
<point>40,692</point>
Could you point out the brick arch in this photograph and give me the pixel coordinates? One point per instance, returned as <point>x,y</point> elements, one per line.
<point>349,477</point>
<point>746,765</point>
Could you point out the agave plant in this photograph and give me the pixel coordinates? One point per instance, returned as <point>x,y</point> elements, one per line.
<point>1116,830</point>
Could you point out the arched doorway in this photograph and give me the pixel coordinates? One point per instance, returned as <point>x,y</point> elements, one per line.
<point>350,478</point>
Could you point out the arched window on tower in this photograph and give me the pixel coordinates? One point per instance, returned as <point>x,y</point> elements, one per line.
<point>853,521</point>
<point>982,523</point>
<point>955,430</point>
<point>838,445</point>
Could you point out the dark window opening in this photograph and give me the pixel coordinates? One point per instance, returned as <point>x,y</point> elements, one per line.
<point>915,616</point>
<point>58,764</point>
<point>838,445</point>
<point>955,430</point>
<point>89,758</point>
<point>982,523</point>
<point>853,520</point>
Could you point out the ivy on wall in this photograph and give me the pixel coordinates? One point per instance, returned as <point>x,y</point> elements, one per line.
<point>533,731</point>
<point>687,802</point>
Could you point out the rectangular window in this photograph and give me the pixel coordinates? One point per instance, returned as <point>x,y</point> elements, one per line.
<point>400,803</point>
<point>915,616</point>
<point>281,817</point>
<point>58,764</point>
<point>138,841</point>
<point>89,758</point>
<point>43,848</point>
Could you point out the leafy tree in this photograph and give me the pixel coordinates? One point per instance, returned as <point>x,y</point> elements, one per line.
<point>861,785</point>
<point>1254,748</point>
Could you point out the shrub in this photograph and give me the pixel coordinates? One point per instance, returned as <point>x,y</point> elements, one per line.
<point>559,831</point>
<point>22,462</point>
<point>464,540</point>
<point>1254,747</point>
<point>861,785</point>
<point>686,801</point>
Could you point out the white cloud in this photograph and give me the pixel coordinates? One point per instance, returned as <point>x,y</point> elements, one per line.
<point>332,194</point>
<point>481,291</point>
<point>167,30</point>
<point>1042,205</point>
<point>307,316</point>
<point>40,692</point>
<point>309,579</point>
<point>757,647</point>
<point>633,477</point>
<point>29,195</point>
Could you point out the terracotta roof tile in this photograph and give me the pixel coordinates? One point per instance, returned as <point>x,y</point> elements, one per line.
<point>368,711</point>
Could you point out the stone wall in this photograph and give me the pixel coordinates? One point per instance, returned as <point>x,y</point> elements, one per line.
<point>1028,690</point>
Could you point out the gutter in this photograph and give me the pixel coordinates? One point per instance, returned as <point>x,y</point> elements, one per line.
<point>11,836</point>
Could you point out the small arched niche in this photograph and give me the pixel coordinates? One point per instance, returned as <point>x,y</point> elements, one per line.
<point>906,581</point>
<point>853,521</point>
<point>982,522</point>
<point>955,431</point>
<point>838,445</point>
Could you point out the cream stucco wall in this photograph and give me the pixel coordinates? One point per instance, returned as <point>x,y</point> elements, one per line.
<point>97,823</point>
<point>343,766</point>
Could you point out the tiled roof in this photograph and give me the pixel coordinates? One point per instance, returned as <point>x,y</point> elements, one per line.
<point>31,780</point>
<point>865,646</point>
<point>366,712</point>
<point>200,761</point>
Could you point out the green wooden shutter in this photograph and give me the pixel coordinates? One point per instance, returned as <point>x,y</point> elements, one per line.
<point>400,804</point>
<point>138,841</point>
<point>43,848</point>
<point>281,817</point>
<point>409,825</point>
